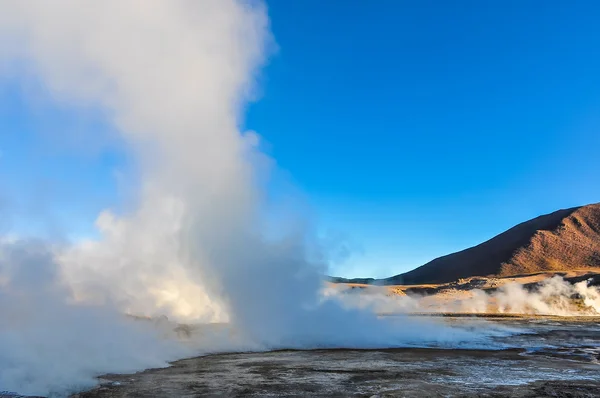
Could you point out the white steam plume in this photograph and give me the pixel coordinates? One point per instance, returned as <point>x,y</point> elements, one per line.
<point>552,296</point>
<point>172,77</point>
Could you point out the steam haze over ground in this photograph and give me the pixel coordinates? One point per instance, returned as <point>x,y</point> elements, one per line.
<point>545,295</point>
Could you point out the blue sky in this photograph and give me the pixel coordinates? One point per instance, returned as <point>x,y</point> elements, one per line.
<point>413,128</point>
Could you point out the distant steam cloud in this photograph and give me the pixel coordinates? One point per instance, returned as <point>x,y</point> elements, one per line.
<point>553,296</point>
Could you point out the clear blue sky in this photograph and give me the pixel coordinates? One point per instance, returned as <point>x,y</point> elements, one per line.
<point>414,128</point>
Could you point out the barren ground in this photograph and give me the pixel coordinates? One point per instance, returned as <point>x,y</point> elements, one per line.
<point>555,358</point>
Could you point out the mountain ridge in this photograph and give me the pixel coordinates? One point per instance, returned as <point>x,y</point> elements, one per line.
<point>562,240</point>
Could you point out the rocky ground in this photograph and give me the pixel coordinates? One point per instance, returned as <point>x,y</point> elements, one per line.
<point>555,358</point>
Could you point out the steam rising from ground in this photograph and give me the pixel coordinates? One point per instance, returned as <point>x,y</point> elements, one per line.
<point>172,77</point>
<point>47,345</point>
<point>553,296</point>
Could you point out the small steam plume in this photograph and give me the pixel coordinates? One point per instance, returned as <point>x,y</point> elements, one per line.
<point>172,77</point>
<point>552,296</point>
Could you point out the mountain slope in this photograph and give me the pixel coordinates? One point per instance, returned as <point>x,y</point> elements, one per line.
<point>563,240</point>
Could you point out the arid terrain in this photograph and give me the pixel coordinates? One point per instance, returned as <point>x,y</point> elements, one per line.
<point>562,241</point>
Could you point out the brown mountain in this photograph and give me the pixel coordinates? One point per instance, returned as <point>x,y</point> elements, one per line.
<point>564,240</point>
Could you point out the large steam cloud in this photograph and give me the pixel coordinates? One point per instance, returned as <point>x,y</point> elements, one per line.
<point>172,77</point>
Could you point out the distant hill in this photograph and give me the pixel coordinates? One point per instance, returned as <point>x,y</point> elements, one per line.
<point>564,240</point>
